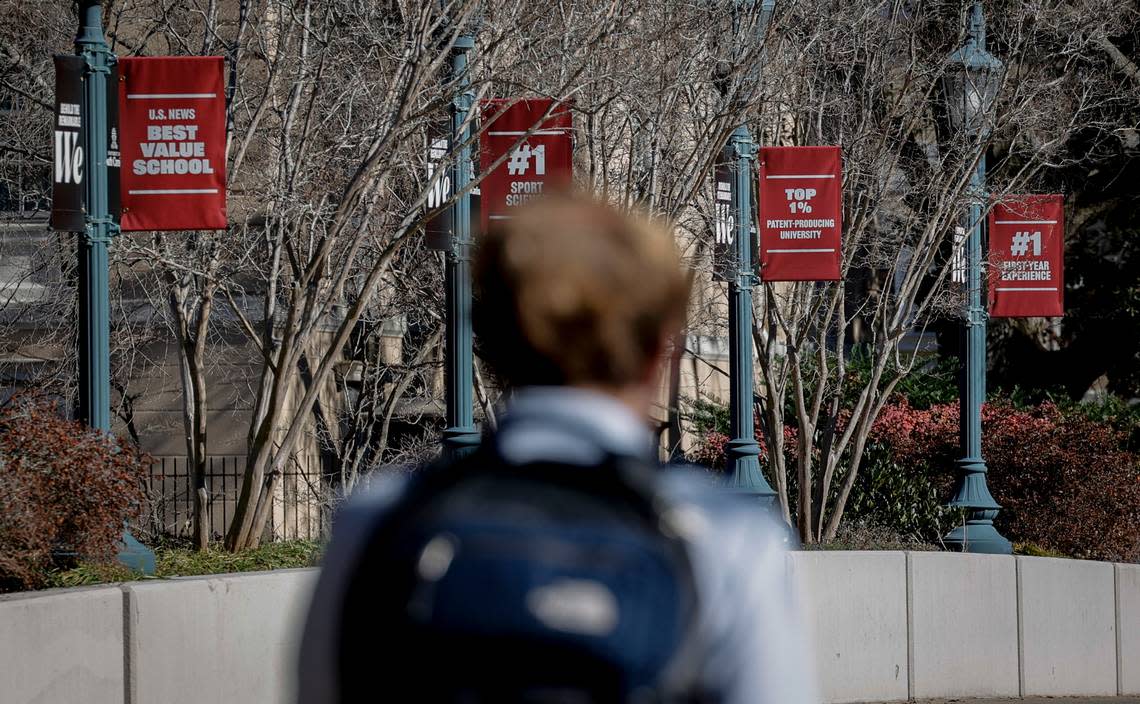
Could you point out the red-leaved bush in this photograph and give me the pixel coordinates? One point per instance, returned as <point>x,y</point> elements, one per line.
<point>63,490</point>
<point>711,448</point>
<point>709,452</point>
<point>1064,481</point>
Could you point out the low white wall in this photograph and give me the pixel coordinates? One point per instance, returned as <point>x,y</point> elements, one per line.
<point>1068,627</point>
<point>963,625</point>
<point>217,639</point>
<point>970,625</point>
<point>856,603</point>
<point>62,646</point>
<point>887,626</point>
<point>1128,629</point>
<point>224,638</point>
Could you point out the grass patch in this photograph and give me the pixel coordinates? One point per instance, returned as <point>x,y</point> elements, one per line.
<point>858,535</point>
<point>183,562</point>
<point>89,573</point>
<point>180,561</point>
<point>1035,550</point>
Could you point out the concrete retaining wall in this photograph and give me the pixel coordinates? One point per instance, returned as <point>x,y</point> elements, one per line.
<point>1068,627</point>
<point>963,625</point>
<point>857,610</point>
<point>62,646</point>
<point>225,638</point>
<point>241,630</point>
<point>893,625</point>
<point>1128,629</point>
<point>887,626</point>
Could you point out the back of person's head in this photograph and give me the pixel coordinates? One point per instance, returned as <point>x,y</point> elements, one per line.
<point>572,291</point>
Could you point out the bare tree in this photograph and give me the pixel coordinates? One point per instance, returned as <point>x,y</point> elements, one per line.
<point>867,80</point>
<point>329,103</point>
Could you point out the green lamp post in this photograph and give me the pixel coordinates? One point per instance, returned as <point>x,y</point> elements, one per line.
<point>460,436</point>
<point>743,452</point>
<point>971,86</point>
<point>100,227</point>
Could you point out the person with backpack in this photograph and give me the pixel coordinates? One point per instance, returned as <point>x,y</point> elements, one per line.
<point>558,562</point>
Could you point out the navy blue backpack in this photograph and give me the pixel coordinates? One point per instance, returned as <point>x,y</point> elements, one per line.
<point>490,582</point>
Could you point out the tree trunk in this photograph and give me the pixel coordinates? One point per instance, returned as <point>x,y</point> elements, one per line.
<point>192,355</point>
<point>673,435</point>
<point>199,457</point>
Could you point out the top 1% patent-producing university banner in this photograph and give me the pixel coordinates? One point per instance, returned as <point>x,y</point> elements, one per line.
<point>801,213</point>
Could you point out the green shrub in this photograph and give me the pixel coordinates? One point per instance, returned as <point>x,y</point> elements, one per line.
<point>866,535</point>
<point>932,382</point>
<point>931,385</point>
<point>1035,550</point>
<point>909,498</point>
<point>269,556</point>
<point>707,416</point>
<point>86,574</point>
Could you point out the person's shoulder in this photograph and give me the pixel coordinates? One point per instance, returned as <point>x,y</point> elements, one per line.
<point>354,523</point>
<point>756,649</point>
<point>378,492</point>
<point>360,511</point>
<point>720,512</point>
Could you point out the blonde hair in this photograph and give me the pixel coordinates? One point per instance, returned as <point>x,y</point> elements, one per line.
<point>572,291</point>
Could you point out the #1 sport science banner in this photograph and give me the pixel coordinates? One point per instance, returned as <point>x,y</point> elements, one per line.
<point>542,162</point>
<point>801,213</point>
<point>1026,273</point>
<point>173,135</point>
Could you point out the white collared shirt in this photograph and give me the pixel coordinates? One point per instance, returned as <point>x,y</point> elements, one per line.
<point>569,425</point>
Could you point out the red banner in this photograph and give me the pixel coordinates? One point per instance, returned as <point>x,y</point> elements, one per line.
<point>537,163</point>
<point>172,114</point>
<point>1027,262</point>
<point>801,213</point>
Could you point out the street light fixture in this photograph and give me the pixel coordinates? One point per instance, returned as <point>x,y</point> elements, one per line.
<point>743,452</point>
<point>971,85</point>
<point>972,80</point>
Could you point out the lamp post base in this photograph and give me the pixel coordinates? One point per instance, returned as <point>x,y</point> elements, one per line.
<point>978,535</point>
<point>134,555</point>
<point>745,477</point>
<point>460,442</point>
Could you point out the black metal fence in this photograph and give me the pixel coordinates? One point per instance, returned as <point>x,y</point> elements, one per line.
<point>300,503</point>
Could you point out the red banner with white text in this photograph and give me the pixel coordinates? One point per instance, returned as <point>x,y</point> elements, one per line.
<point>801,213</point>
<point>172,116</point>
<point>1027,257</point>
<point>534,136</point>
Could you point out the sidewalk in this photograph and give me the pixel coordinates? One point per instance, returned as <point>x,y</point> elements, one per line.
<point>1037,700</point>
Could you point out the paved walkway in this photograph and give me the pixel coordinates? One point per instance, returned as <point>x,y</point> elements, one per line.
<point>1037,700</point>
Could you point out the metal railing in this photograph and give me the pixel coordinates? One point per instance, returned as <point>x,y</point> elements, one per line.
<point>300,504</point>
